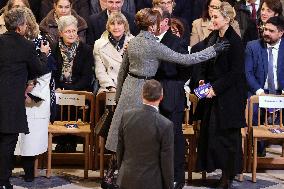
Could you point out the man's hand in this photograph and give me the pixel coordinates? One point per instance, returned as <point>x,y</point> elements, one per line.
<point>210,93</point>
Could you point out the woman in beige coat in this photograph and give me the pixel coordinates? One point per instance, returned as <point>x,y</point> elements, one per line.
<point>201,27</point>
<point>108,51</point>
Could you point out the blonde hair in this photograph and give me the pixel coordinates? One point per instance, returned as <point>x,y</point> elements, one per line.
<point>32,30</point>
<point>227,11</point>
<point>65,21</point>
<point>119,18</point>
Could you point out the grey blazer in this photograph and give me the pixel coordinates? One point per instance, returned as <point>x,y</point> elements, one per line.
<point>145,150</point>
<point>142,58</point>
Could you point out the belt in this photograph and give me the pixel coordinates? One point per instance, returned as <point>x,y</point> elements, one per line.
<point>141,77</point>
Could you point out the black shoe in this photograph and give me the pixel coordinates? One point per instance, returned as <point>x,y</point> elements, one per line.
<point>178,185</point>
<point>7,186</point>
<point>29,178</point>
<point>225,184</point>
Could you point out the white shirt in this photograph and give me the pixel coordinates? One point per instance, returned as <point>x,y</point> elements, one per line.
<point>275,58</point>
<point>160,37</point>
<point>257,3</point>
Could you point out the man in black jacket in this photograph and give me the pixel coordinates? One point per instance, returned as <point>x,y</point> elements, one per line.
<point>97,22</point>
<point>172,78</point>
<point>18,59</point>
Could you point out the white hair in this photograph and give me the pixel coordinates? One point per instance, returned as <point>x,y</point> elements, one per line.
<point>65,21</point>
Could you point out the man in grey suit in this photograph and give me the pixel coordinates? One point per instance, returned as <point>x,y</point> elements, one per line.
<point>145,148</point>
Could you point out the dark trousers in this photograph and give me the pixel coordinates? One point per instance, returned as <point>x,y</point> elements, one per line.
<point>7,147</point>
<point>28,163</point>
<point>179,146</point>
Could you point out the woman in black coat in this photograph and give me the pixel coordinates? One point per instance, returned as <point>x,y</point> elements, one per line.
<point>219,145</point>
<point>74,58</point>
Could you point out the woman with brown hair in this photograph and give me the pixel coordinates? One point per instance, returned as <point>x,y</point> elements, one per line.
<point>140,63</point>
<point>49,25</point>
<point>220,141</point>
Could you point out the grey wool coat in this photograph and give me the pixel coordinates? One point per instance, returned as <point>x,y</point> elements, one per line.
<point>142,58</point>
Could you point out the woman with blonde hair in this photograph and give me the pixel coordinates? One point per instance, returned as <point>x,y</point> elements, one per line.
<point>108,51</point>
<point>37,106</point>
<point>202,27</point>
<point>220,141</point>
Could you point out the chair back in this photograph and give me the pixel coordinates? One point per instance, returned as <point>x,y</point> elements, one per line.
<point>269,110</point>
<point>76,106</point>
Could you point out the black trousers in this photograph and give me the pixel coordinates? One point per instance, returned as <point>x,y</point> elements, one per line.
<point>7,147</point>
<point>179,145</point>
<point>28,163</point>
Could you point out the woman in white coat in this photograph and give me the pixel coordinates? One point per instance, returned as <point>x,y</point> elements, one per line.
<point>108,51</point>
<point>37,108</point>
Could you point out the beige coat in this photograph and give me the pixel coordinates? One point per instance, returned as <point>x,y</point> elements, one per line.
<point>2,24</point>
<point>107,61</point>
<point>200,30</point>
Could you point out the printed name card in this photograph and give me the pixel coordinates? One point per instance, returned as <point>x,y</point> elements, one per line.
<point>110,98</point>
<point>70,99</point>
<point>271,101</point>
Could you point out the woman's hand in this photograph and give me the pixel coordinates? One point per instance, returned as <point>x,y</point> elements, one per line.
<point>45,48</point>
<point>201,82</point>
<point>210,93</point>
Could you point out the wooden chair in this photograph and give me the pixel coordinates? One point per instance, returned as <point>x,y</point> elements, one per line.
<point>85,130</point>
<point>190,133</point>
<point>262,132</point>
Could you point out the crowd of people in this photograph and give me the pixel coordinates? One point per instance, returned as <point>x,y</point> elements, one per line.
<point>52,45</point>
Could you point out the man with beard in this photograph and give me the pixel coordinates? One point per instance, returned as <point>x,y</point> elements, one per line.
<point>264,64</point>
<point>258,58</point>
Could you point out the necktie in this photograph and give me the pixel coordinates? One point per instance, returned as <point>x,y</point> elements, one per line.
<point>253,11</point>
<point>271,85</point>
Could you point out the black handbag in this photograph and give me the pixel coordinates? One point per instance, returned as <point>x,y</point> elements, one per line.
<point>110,177</point>
<point>103,125</point>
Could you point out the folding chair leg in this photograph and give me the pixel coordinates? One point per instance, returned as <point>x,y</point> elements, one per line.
<point>49,151</point>
<point>254,160</point>
<point>86,156</point>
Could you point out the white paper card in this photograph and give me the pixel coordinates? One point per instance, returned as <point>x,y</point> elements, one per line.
<point>70,99</point>
<point>271,102</point>
<point>110,98</point>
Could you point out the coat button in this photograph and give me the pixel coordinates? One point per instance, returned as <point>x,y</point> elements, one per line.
<point>111,68</point>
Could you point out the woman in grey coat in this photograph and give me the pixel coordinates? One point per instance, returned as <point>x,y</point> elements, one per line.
<point>140,63</point>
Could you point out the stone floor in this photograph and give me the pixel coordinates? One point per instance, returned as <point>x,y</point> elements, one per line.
<point>72,179</point>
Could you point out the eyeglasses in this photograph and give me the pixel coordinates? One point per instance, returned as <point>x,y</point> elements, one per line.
<point>166,3</point>
<point>214,7</point>
<point>70,32</point>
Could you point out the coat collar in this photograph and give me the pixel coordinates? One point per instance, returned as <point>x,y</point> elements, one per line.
<point>49,21</point>
<point>149,108</point>
<point>111,52</point>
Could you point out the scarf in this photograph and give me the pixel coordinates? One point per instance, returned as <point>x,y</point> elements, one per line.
<point>117,44</point>
<point>68,54</point>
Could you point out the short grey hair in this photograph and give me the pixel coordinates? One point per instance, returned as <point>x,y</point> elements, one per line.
<point>14,18</point>
<point>65,21</point>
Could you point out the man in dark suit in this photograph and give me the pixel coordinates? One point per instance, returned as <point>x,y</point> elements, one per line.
<point>258,62</point>
<point>145,144</point>
<point>173,78</point>
<point>18,59</point>
<point>97,22</point>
